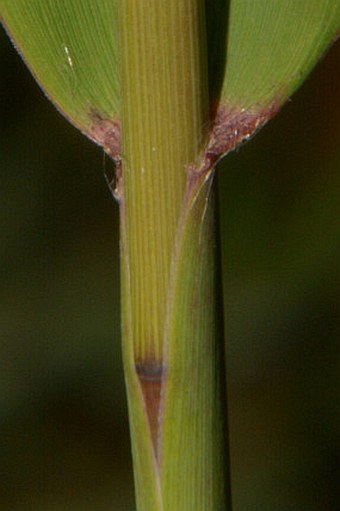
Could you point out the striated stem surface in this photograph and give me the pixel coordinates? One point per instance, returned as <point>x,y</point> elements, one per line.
<point>171,333</point>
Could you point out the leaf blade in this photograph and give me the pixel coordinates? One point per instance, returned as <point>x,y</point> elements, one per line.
<point>71,49</point>
<point>272,46</point>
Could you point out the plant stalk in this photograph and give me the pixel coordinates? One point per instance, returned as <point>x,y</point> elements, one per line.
<point>170,310</point>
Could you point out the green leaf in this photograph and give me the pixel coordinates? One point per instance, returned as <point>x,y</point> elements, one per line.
<point>259,52</point>
<point>71,49</point>
<point>273,45</point>
<point>269,47</point>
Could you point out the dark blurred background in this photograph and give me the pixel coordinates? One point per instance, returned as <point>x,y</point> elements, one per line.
<point>64,441</point>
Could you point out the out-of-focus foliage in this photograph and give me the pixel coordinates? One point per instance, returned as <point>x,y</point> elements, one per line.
<point>64,432</point>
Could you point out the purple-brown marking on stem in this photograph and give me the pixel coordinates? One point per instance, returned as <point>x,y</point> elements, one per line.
<point>152,375</point>
<point>229,128</point>
<point>107,133</point>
